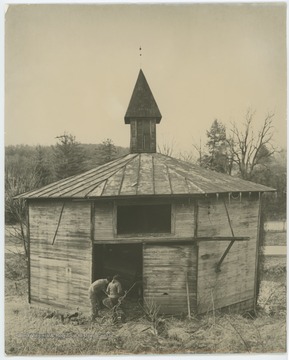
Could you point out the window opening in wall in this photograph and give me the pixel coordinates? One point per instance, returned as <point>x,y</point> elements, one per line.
<point>143,219</point>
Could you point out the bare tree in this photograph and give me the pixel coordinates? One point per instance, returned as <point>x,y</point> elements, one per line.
<point>167,148</point>
<point>187,157</point>
<point>18,180</point>
<point>250,148</point>
<point>199,150</point>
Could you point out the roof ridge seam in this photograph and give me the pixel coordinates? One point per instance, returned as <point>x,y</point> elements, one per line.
<point>47,188</point>
<point>169,177</point>
<point>138,174</point>
<point>77,185</point>
<point>153,173</point>
<point>121,168</point>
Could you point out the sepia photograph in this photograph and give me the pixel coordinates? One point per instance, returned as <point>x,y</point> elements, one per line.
<point>145,153</point>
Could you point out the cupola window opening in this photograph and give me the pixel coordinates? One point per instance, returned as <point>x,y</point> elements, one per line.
<point>143,219</point>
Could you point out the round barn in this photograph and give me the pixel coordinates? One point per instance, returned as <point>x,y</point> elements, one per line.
<point>190,235</point>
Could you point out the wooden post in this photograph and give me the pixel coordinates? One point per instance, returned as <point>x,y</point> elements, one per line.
<point>188,297</point>
<point>28,251</point>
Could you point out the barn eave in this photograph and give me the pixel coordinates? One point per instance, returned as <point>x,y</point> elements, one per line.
<point>144,175</point>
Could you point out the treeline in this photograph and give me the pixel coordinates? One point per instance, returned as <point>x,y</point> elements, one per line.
<point>30,167</point>
<point>246,150</point>
<point>239,150</point>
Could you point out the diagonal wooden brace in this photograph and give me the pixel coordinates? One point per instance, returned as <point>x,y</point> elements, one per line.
<point>218,266</point>
<point>59,220</point>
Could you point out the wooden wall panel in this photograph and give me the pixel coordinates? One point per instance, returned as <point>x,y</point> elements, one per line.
<point>60,273</point>
<point>213,221</point>
<point>166,268</point>
<point>182,225</point>
<point>235,282</point>
<point>104,221</point>
<point>143,135</point>
<point>184,219</point>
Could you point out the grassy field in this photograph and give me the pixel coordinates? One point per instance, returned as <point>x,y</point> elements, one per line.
<point>37,331</point>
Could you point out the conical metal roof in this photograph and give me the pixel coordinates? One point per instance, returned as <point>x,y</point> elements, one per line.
<point>142,103</point>
<point>146,174</point>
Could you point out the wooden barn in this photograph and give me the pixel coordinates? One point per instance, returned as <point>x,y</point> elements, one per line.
<point>189,234</point>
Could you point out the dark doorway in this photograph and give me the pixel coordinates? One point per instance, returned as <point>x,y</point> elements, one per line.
<point>122,259</point>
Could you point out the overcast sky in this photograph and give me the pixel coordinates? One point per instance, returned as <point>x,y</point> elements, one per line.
<point>73,68</point>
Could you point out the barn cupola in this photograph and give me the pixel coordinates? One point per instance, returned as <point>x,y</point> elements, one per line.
<point>142,114</point>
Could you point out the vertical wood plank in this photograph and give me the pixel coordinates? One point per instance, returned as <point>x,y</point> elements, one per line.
<point>257,253</point>
<point>28,249</point>
<point>92,231</point>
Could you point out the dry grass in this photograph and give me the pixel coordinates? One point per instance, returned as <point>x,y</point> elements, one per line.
<point>37,331</point>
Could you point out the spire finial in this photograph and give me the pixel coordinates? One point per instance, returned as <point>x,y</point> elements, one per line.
<point>140,55</point>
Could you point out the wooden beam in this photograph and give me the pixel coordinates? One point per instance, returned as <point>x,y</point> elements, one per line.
<point>58,224</point>
<point>28,248</point>
<point>224,238</point>
<point>92,227</point>
<point>257,257</point>
<point>218,267</point>
<point>196,217</point>
<point>188,296</point>
<point>159,240</point>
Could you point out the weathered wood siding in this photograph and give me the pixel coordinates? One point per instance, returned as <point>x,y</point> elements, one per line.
<point>182,221</point>
<point>166,269</point>
<point>104,221</point>
<point>143,135</point>
<point>235,283</point>
<point>60,273</point>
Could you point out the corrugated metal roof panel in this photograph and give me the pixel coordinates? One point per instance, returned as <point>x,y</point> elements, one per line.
<point>161,177</point>
<point>144,174</point>
<point>113,184</point>
<point>130,178</point>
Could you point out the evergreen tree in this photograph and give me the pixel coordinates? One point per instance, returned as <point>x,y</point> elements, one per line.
<point>43,167</point>
<point>217,158</point>
<point>68,157</point>
<point>106,151</point>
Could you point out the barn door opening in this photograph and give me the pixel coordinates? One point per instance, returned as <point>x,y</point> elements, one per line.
<point>122,259</point>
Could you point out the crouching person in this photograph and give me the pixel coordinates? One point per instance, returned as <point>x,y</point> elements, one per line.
<point>96,293</point>
<point>114,292</point>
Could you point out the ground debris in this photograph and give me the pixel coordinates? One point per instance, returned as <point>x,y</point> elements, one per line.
<point>272,297</point>
<point>178,333</point>
<point>135,329</point>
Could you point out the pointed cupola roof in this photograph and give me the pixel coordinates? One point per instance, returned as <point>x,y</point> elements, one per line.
<point>142,103</point>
